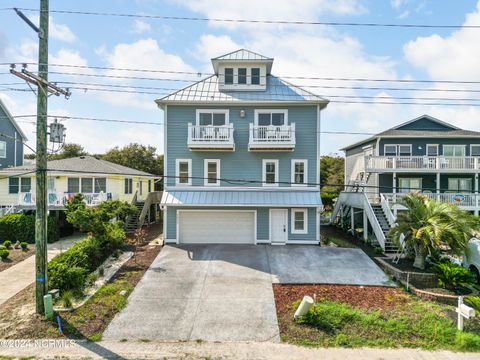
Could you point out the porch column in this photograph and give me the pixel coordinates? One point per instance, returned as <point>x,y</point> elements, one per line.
<point>394,187</point>
<point>341,216</point>
<point>476,193</point>
<point>352,220</point>
<point>438,186</point>
<point>365,225</point>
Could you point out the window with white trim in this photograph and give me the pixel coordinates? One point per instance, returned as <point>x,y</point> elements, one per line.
<point>255,77</point>
<point>460,184</point>
<point>184,171</point>
<point>299,172</point>
<point>271,117</point>
<point>73,185</point>
<point>474,150</point>
<point>299,221</point>
<point>454,150</point>
<point>211,172</point>
<point>407,185</point>
<point>228,76</point>
<point>212,117</point>
<point>3,149</point>
<point>270,172</point>
<point>405,150</point>
<point>397,150</point>
<point>390,150</point>
<point>242,75</point>
<point>100,185</point>
<point>432,150</point>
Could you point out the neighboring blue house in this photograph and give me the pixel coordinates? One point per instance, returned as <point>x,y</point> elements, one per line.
<point>241,157</point>
<point>424,154</point>
<point>11,139</point>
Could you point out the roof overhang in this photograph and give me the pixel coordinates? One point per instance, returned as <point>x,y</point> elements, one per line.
<point>321,102</point>
<point>242,198</point>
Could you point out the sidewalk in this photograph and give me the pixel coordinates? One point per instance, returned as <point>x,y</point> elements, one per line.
<point>62,348</point>
<point>18,277</point>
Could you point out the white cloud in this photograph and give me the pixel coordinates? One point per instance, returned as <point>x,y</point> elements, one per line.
<point>69,57</point>
<point>57,31</point>
<point>140,27</point>
<point>397,4</point>
<point>448,57</point>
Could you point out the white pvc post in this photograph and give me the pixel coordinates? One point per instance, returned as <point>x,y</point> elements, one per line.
<point>304,306</point>
<point>459,314</point>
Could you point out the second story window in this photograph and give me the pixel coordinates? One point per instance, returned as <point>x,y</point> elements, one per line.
<point>13,185</point>
<point>299,172</point>
<point>270,173</point>
<point>3,149</point>
<point>16,185</point>
<point>184,172</point>
<point>432,150</point>
<point>228,76</point>
<point>454,150</point>
<point>211,172</point>
<point>242,75</point>
<point>271,117</point>
<point>474,150</point>
<point>255,76</point>
<point>398,150</point>
<point>73,185</point>
<point>212,117</point>
<point>128,189</point>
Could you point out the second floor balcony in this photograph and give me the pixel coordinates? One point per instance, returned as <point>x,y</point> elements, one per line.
<point>208,137</point>
<point>422,164</point>
<point>272,137</point>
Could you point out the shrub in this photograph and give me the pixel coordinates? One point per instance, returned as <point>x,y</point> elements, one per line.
<point>91,279</point>
<point>24,246</point>
<point>4,253</point>
<point>473,301</point>
<point>67,299</point>
<point>7,244</point>
<point>64,277</point>
<point>452,276</point>
<point>21,227</point>
<point>101,271</point>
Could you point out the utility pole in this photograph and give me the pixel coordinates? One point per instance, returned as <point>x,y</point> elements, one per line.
<point>41,284</point>
<point>43,88</point>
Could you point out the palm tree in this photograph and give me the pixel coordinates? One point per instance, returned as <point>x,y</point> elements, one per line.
<point>428,225</point>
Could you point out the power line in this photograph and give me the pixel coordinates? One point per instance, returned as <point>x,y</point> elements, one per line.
<point>259,21</point>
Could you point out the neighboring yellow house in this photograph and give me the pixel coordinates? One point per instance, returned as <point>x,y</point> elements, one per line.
<point>98,180</point>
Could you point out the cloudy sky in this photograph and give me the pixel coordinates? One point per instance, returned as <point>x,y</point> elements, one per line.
<point>312,51</point>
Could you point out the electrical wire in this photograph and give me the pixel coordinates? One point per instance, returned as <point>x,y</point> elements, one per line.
<point>256,21</point>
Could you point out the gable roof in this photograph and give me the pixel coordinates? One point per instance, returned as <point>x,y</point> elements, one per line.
<point>12,120</point>
<point>449,131</point>
<point>82,164</point>
<point>242,54</point>
<point>207,91</point>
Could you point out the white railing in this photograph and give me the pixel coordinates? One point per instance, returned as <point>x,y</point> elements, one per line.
<point>272,136</point>
<point>210,136</point>
<point>423,163</point>
<point>387,210</point>
<point>461,199</point>
<point>60,199</point>
<point>91,199</point>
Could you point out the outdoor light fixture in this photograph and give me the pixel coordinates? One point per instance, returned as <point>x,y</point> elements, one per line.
<point>242,113</point>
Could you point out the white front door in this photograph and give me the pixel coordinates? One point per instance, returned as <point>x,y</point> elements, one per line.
<point>278,226</point>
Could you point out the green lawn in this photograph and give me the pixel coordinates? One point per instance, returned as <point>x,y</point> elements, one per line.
<point>414,324</point>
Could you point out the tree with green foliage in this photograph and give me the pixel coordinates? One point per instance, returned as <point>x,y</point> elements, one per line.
<point>431,225</point>
<point>136,156</point>
<point>332,170</point>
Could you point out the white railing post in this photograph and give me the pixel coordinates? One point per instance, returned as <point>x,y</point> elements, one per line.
<point>189,139</point>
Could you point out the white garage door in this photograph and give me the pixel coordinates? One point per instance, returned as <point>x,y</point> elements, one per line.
<point>216,227</point>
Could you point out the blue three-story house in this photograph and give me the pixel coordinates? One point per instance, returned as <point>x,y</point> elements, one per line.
<point>242,157</point>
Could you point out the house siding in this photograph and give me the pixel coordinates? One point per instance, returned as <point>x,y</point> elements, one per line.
<point>241,163</point>
<point>7,128</point>
<point>425,124</point>
<point>262,222</point>
<point>428,181</point>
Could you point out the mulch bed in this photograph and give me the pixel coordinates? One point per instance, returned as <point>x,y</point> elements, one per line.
<point>16,256</point>
<point>368,297</point>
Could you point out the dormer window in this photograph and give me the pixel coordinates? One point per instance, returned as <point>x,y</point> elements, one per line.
<point>242,75</point>
<point>228,75</point>
<point>255,76</point>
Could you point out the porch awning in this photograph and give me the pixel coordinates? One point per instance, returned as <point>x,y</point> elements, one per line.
<point>242,198</point>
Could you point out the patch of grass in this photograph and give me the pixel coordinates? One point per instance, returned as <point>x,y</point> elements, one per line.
<point>417,324</point>
<point>342,243</point>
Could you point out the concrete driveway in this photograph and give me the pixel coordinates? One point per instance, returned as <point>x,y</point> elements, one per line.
<point>224,292</point>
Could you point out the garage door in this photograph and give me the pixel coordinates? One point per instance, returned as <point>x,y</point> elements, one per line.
<point>216,227</point>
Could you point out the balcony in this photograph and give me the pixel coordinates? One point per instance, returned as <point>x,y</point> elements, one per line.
<point>55,199</point>
<point>280,138</point>
<point>468,201</point>
<point>210,138</point>
<point>421,164</point>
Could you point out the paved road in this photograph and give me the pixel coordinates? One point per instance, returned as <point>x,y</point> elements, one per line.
<point>18,277</point>
<point>210,350</point>
<point>224,292</point>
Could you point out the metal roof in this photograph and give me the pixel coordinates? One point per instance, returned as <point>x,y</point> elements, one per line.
<point>207,91</point>
<point>241,198</point>
<point>81,164</point>
<point>242,54</point>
